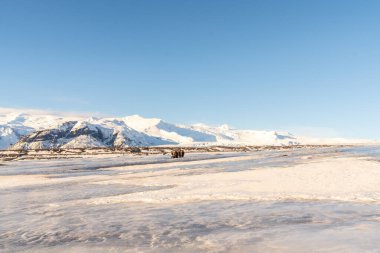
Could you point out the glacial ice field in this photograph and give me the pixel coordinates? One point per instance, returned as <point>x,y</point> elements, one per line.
<point>302,200</point>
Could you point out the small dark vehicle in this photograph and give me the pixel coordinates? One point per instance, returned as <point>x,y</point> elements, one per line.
<point>178,153</point>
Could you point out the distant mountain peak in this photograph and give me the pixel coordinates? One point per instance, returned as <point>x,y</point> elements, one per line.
<point>140,123</point>
<point>29,131</point>
<point>225,127</point>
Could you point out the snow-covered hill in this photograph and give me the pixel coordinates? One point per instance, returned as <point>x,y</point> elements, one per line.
<point>87,134</point>
<point>14,125</point>
<point>161,129</point>
<point>44,131</point>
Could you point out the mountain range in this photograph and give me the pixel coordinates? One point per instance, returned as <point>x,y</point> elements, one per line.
<point>45,131</point>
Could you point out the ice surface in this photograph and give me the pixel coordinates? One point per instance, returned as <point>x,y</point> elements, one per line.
<point>210,202</point>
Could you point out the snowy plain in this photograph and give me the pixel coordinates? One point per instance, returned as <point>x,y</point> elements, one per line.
<point>304,200</point>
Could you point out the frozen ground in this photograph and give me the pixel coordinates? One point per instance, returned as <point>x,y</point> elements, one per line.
<point>306,200</point>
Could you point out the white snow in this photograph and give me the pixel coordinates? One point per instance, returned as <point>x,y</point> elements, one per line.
<point>83,141</point>
<point>8,136</point>
<point>342,179</point>
<point>304,200</point>
<point>139,131</point>
<point>141,124</point>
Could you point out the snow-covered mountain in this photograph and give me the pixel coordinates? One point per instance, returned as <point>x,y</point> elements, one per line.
<point>44,131</point>
<point>87,134</point>
<point>14,125</point>
<point>161,129</point>
<point>225,135</point>
<point>29,131</point>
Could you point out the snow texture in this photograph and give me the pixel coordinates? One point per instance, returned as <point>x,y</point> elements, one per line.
<point>301,200</point>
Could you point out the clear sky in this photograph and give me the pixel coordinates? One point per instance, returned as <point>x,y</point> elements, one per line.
<point>304,66</point>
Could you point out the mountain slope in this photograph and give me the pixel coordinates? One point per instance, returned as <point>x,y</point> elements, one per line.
<point>14,125</point>
<point>8,136</point>
<point>171,132</point>
<point>29,131</point>
<point>84,134</point>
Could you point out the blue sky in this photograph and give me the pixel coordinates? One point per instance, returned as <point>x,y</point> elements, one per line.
<point>305,66</point>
